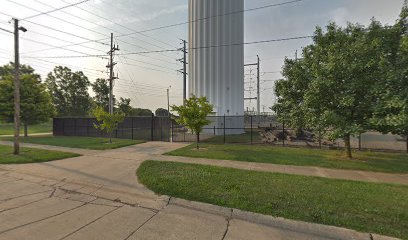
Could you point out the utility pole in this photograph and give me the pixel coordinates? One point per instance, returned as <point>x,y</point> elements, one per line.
<point>168,101</point>
<point>258,100</point>
<point>184,70</point>
<point>113,49</point>
<point>17,86</point>
<point>258,78</point>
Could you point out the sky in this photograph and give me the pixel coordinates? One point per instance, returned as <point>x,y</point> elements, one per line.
<point>144,78</point>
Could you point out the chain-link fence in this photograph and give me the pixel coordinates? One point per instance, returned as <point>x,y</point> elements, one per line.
<point>227,129</point>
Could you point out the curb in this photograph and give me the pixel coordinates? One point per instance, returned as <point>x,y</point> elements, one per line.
<point>318,230</point>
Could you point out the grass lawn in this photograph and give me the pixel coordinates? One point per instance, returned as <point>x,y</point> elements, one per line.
<point>30,155</point>
<point>368,207</point>
<point>8,128</point>
<point>79,142</point>
<point>367,161</point>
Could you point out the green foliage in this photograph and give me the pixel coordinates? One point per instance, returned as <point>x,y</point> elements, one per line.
<point>69,92</point>
<point>350,80</point>
<point>9,70</point>
<point>107,122</point>
<point>124,106</point>
<point>193,114</point>
<point>161,112</point>
<point>140,112</point>
<point>101,89</point>
<point>35,104</point>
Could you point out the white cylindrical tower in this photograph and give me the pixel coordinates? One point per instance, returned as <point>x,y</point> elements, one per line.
<point>216,54</point>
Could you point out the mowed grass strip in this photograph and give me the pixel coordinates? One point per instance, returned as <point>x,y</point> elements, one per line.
<point>8,128</point>
<point>366,161</point>
<point>368,207</point>
<point>78,142</point>
<point>31,155</point>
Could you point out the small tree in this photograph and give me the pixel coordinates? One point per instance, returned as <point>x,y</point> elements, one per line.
<point>193,115</point>
<point>107,122</point>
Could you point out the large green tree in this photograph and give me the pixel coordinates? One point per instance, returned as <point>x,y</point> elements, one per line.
<point>35,104</point>
<point>69,92</point>
<point>333,86</point>
<point>101,89</point>
<point>391,108</point>
<point>124,106</point>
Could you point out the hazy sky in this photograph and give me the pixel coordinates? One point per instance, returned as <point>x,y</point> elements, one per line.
<point>145,78</point>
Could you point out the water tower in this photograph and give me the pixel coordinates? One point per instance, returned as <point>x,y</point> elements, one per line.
<point>216,56</point>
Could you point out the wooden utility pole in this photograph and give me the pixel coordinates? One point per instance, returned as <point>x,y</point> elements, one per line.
<point>113,49</point>
<point>16,89</point>
<point>184,70</point>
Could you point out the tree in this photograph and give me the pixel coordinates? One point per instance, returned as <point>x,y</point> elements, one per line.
<point>69,91</point>
<point>391,108</point>
<point>332,86</point>
<point>8,69</point>
<point>193,115</point>
<point>161,112</point>
<point>124,106</point>
<point>101,89</point>
<point>107,122</point>
<point>36,106</point>
<point>140,112</point>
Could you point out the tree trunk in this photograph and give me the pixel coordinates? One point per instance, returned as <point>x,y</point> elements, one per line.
<point>198,141</point>
<point>407,143</point>
<point>348,146</point>
<point>110,137</point>
<point>25,130</point>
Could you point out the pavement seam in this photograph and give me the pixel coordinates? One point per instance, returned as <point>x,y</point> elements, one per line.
<point>13,208</point>
<point>43,219</point>
<point>155,214</point>
<point>30,194</point>
<point>91,222</point>
<point>228,219</point>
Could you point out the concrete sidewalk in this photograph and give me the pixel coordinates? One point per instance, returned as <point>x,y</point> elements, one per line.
<point>98,196</point>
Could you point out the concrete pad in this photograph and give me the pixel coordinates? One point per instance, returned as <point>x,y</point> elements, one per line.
<point>241,230</point>
<point>34,212</point>
<point>177,223</point>
<point>117,225</point>
<point>7,179</point>
<point>20,188</point>
<point>22,201</point>
<point>59,226</point>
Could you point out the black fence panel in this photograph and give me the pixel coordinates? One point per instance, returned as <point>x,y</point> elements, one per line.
<point>246,129</point>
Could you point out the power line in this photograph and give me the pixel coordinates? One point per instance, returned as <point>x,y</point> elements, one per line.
<point>183,23</point>
<point>70,5</point>
<point>220,15</point>
<point>58,18</point>
<point>195,48</point>
<point>121,25</point>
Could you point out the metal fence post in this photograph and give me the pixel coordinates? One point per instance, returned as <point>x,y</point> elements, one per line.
<point>75,126</point>
<point>359,142</point>
<point>171,129</point>
<point>251,129</point>
<point>87,127</point>
<point>133,137</point>
<point>283,132</point>
<point>152,127</point>
<point>224,127</point>
<point>63,126</point>
<point>214,130</point>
